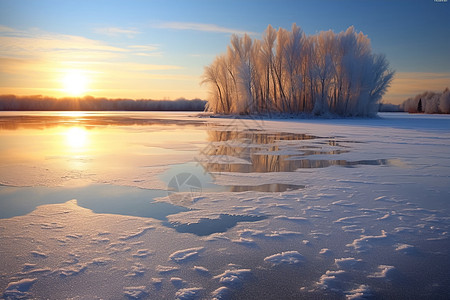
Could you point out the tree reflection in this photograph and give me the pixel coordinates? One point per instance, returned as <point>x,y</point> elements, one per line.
<point>273,152</point>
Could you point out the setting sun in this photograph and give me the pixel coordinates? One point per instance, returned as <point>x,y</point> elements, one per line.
<point>75,83</point>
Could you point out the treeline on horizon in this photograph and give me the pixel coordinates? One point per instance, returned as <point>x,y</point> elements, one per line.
<point>428,102</point>
<point>89,103</point>
<point>290,72</point>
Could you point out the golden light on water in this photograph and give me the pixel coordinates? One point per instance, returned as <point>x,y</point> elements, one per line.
<point>76,138</point>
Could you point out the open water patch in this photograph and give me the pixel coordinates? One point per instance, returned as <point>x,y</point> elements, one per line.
<point>100,198</point>
<point>206,226</point>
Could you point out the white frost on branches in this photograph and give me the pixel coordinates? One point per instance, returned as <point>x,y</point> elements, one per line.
<point>289,72</point>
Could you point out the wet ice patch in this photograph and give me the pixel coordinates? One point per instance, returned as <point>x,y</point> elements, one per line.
<point>288,257</point>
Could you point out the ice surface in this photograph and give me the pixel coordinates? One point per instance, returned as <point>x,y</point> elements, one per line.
<point>355,231</point>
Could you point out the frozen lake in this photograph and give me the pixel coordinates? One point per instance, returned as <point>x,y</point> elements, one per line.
<point>173,205</point>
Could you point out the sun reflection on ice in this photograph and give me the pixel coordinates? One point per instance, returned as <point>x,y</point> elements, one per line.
<point>76,139</point>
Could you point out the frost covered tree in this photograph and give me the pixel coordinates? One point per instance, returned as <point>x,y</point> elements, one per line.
<point>444,102</point>
<point>289,72</point>
<point>431,103</point>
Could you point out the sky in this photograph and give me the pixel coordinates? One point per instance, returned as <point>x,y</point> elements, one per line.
<point>158,49</point>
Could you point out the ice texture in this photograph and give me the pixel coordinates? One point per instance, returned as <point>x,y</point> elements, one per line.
<point>372,220</point>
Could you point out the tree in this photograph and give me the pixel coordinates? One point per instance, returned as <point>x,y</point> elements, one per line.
<point>290,72</point>
<point>419,106</point>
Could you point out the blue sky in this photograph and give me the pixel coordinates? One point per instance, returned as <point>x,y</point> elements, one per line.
<point>157,49</point>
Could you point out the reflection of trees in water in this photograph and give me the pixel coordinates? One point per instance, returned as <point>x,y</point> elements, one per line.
<point>244,144</point>
<point>278,163</point>
<point>260,149</point>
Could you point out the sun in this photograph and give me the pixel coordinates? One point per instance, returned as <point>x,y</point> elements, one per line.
<point>75,82</point>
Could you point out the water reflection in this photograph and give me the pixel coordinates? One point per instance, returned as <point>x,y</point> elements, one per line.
<point>45,120</point>
<point>76,138</point>
<point>206,226</point>
<point>100,198</point>
<point>58,149</point>
<point>186,182</point>
<point>264,152</point>
<point>267,188</point>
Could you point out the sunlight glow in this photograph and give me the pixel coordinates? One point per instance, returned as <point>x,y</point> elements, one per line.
<point>75,82</point>
<point>76,138</point>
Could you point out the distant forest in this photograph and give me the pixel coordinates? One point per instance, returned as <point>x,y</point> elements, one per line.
<point>88,103</point>
<point>428,102</point>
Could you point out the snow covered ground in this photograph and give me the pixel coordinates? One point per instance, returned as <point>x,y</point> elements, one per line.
<point>275,209</point>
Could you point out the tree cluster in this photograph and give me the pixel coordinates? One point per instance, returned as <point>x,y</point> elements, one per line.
<point>428,102</point>
<point>290,72</point>
<point>88,103</point>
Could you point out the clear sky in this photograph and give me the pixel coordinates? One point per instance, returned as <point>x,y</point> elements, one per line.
<point>158,49</point>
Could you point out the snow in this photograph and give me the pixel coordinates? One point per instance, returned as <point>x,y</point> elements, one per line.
<point>288,257</point>
<point>186,254</point>
<point>384,272</point>
<point>19,289</point>
<point>188,293</point>
<point>135,292</point>
<point>347,262</point>
<point>233,277</point>
<point>353,231</point>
